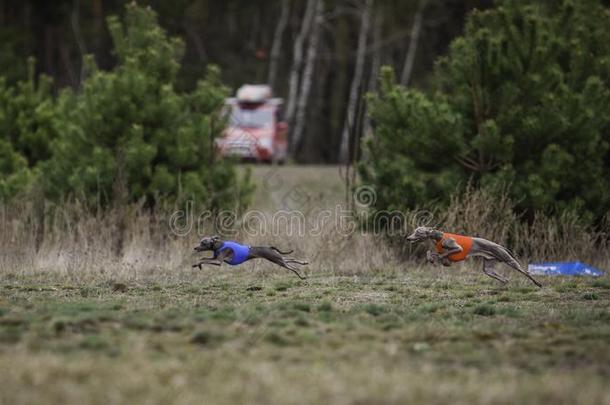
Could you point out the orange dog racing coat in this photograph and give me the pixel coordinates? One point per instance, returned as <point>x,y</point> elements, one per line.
<point>464,241</point>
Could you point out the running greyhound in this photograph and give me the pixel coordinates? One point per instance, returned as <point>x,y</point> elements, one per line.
<point>234,253</point>
<point>455,248</point>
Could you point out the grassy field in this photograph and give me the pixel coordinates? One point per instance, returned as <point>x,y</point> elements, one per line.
<point>78,326</point>
<point>228,336</point>
<point>280,187</point>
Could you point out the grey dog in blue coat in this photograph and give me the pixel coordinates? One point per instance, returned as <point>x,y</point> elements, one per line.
<point>234,254</point>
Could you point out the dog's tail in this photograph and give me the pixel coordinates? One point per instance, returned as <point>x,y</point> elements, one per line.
<point>281,252</point>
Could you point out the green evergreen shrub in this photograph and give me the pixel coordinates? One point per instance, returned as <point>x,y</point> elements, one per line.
<point>129,135</point>
<point>26,130</point>
<point>521,99</point>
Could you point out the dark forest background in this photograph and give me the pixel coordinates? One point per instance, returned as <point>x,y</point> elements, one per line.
<point>344,41</point>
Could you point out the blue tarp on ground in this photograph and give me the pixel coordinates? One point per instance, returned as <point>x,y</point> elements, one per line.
<point>564,269</point>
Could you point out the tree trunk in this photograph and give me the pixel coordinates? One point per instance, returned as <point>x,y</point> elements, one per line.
<point>312,51</point>
<point>64,53</point>
<point>196,39</point>
<point>413,41</point>
<point>297,60</point>
<point>80,42</point>
<point>120,200</point>
<point>276,48</point>
<point>340,79</point>
<point>49,49</point>
<point>375,65</point>
<point>354,93</point>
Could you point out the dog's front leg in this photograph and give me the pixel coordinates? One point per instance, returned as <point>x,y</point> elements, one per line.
<point>450,247</point>
<point>448,253</point>
<point>215,261</point>
<point>432,257</point>
<point>203,261</point>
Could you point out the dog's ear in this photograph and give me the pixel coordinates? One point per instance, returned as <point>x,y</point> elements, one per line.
<point>215,238</point>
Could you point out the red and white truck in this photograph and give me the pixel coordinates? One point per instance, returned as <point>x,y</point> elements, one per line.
<point>256,128</point>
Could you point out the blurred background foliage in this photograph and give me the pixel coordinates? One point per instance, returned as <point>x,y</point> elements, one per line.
<point>125,134</point>
<point>110,101</point>
<point>238,36</point>
<point>520,100</point>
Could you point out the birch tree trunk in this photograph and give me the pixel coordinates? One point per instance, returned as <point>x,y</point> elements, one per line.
<point>356,83</point>
<point>413,41</point>
<point>297,60</point>
<point>375,65</point>
<point>310,63</point>
<point>276,48</point>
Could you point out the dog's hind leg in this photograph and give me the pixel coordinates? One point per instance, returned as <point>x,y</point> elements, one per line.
<point>289,267</point>
<point>295,271</point>
<point>301,262</point>
<point>502,255</point>
<point>273,256</point>
<point>488,266</point>
<point>515,265</point>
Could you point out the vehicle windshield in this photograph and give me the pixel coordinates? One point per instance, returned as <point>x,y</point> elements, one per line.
<point>251,118</point>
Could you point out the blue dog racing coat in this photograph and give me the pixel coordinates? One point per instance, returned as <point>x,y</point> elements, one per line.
<point>240,252</point>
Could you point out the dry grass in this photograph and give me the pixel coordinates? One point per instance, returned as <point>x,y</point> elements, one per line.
<point>71,239</point>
